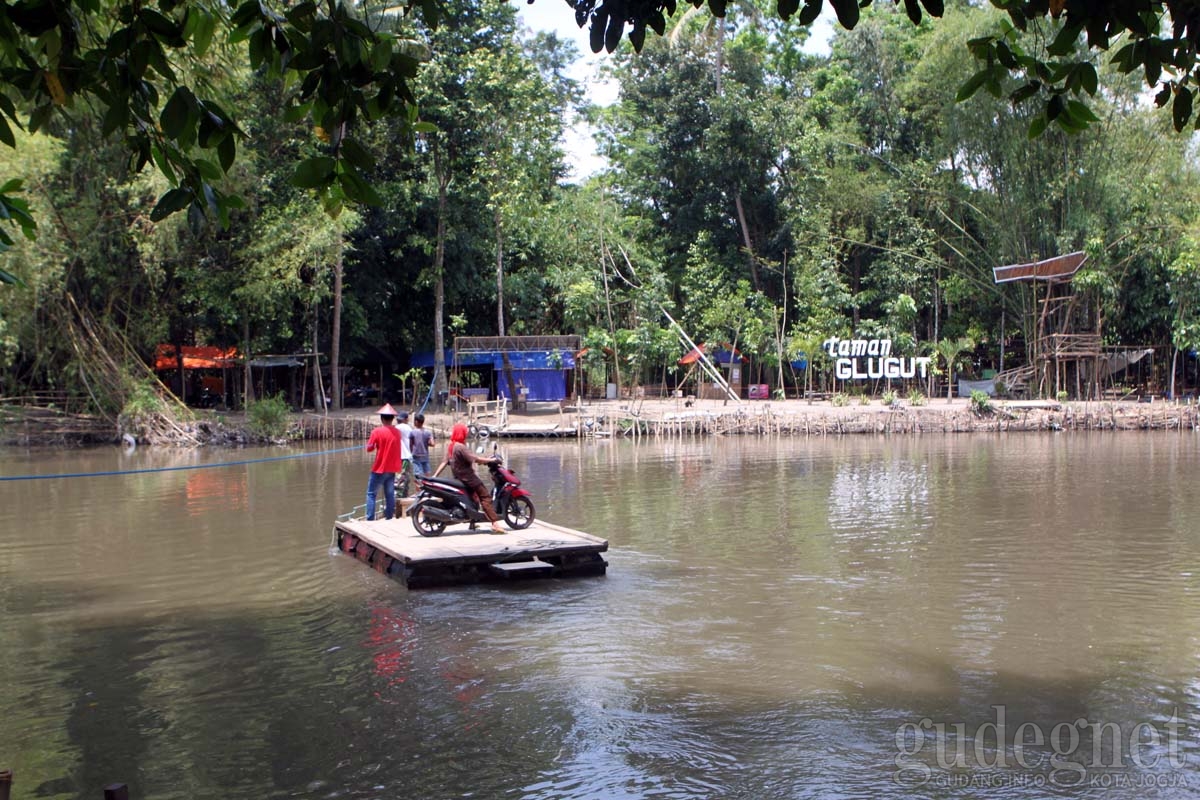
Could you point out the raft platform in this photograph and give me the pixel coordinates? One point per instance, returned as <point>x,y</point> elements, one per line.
<point>460,555</point>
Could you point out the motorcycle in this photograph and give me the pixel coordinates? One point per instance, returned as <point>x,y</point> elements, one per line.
<point>446,501</point>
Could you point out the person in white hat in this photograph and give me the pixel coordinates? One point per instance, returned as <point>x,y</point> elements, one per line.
<point>385,443</point>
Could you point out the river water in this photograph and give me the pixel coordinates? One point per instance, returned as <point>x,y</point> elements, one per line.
<point>928,616</point>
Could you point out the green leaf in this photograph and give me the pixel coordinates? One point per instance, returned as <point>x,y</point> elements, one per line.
<point>429,12</point>
<point>913,9</point>
<point>1055,107</point>
<point>358,189</point>
<point>381,55</point>
<point>847,12</point>
<point>1064,43</point>
<point>227,152</point>
<point>1025,92</point>
<point>1081,112</point>
<point>968,89</point>
<point>7,107</point>
<point>717,7</point>
<point>206,25</point>
<point>6,133</point>
<point>301,15</point>
<point>297,112</point>
<point>164,166</point>
<point>812,10</point>
<point>1088,78</point>
<point>177,112</point>
<point>169,203</point>
<point>207,169</point>
<point>8,277</point>
<point>1153,69</point>
<point>596,32</point>
<point>785,9</point>
<point>161,26</point>
<point>312,173</point>
<point>357,155</point>
<point>115,118</point>
<point>616,26</point>
<point>248,12</point>
<point>637,36</point>
<point>40,116</point>
<point>1124,58</point>
<point>425,127</point>
<point>1038,126</point>
<point>1006,56</point>
<point>1181,109</point>
<point>12,185</point>
<point>935,7</point>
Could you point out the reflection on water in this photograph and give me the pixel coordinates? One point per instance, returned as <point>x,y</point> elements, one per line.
<point>776,613</point>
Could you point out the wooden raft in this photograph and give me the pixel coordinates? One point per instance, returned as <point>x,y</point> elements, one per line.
<point>460,555</point>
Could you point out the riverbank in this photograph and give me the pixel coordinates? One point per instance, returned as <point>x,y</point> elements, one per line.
<point>655,418</point>
<point>675,417</point>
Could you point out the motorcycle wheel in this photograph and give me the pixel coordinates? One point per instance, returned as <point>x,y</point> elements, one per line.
<point>425,525</point>
<point>519,513</point>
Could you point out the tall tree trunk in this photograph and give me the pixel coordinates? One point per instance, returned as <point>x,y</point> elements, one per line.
<point>749,245</point>
<point>335,335</point>
<point>1174,361</point>
<point>718,81</point>
<point>506,363</point>
<point>318,387</point>
<point>439,260</point>
<point>247,375</point>
<point>498,228</point>
<point>611,328</point>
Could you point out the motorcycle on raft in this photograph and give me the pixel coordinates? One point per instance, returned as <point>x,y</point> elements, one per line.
<point>446,501</point>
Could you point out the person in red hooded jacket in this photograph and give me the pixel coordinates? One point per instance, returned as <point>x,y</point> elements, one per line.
<point>462,465</point>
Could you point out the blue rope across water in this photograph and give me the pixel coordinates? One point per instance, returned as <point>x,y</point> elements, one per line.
<point>171,469</point>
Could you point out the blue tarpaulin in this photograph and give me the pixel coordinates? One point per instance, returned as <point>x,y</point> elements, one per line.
<point>536,359</point>
<point>540,384</point>
<point>424,358</point>
<point>539,371</point>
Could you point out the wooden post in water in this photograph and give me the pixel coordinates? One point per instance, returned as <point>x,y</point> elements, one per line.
<point>6,778</point>
<point>116,791</point>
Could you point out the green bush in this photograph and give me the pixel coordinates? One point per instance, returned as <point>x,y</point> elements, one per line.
<point>1062,397</point>
<point>840,399</point>
<point>144,402</point>
<point>864,399</point>
<point>916,398</point>
<point>889,398</point>
<point>981,401</point>
<point>269,418</point>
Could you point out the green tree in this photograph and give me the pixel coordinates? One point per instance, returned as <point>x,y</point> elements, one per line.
<point>950,350</point>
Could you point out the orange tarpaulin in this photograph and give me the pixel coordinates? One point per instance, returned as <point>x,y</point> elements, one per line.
<point>722,355</point>
<point>195,357</point>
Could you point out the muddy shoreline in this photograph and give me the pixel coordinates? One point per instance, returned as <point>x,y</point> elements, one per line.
<point>656,418</point>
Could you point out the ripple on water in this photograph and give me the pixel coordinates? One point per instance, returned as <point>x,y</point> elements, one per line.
<point>774,611</point>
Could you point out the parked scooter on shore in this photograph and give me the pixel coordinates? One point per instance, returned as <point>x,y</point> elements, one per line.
<point>447,501</point>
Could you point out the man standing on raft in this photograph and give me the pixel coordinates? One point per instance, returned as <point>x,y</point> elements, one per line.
<point>385,443</point>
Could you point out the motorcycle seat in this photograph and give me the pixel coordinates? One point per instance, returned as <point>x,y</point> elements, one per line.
<point>455,482</point>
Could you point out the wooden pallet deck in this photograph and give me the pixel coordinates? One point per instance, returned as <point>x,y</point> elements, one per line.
<point>543,431</point>
<point>460,555</point>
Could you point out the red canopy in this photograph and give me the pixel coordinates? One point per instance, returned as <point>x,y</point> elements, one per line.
<point>195,357</point>
<point>693,355</point>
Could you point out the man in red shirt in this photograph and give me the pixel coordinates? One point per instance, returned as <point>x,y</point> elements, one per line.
<point>385,443</point>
